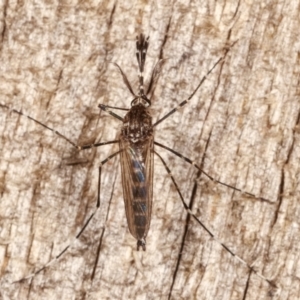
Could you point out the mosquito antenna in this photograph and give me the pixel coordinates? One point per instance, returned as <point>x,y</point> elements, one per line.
<point>154,76</point>
<point>125,79</point>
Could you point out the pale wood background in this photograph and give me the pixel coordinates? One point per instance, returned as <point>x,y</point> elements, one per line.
<point>243,124</point>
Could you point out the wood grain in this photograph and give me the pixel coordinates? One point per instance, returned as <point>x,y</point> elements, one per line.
<point>242,126</point>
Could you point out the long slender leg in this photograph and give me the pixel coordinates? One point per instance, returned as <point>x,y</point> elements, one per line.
<point>116,107</point>
<point>78,147</point>
<point>207,175</point>
<point>205,228</point>
<point>184,102</point>
<point>88,146</point>
<point>106,109</point>
<point>81,230</point>
<point>40,123</point>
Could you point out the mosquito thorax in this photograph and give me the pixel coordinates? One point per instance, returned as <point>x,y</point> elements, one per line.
<point>137,124</point>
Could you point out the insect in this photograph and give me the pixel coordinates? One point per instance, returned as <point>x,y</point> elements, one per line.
<point>137,150</point>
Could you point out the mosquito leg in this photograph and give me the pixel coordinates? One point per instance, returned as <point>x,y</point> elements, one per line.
<point>207,175</point>
<point>41,124</point>
<point>183,103</point>
<point>251,269</point>
<point>106,109</point>
<point>115,107</point>
<point>88,146</point>
<point>81,230</point>
<point>78,147</point>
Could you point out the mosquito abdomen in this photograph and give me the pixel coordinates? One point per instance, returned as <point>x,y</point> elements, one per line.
<point>136,143</point>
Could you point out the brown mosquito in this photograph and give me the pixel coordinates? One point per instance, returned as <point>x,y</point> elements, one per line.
<point>136,150</point>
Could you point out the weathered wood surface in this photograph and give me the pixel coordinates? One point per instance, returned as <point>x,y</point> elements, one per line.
<point>242,125</point>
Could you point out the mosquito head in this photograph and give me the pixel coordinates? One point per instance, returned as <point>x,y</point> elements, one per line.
<point>141,100</point>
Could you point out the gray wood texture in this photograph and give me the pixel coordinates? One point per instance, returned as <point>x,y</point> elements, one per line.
<point>242,126</point>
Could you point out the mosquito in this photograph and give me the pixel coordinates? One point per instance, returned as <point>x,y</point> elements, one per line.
<point>136,150</point>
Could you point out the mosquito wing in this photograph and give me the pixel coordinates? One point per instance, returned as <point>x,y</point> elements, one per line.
<point>137,181</point>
